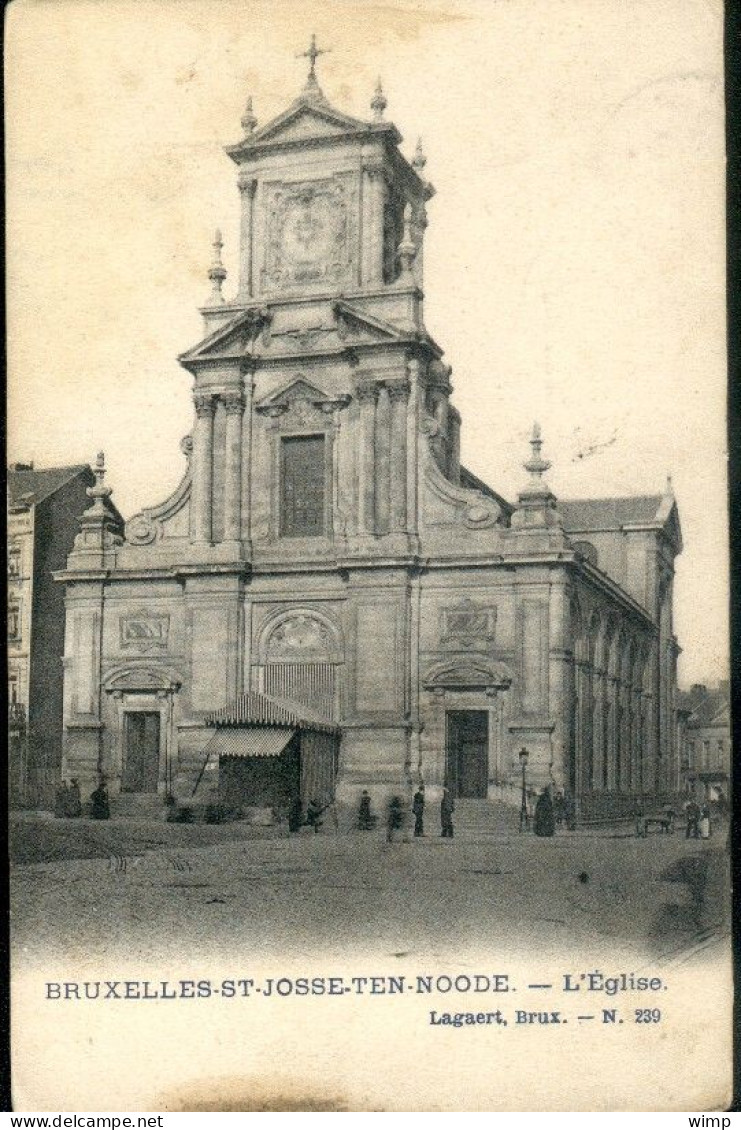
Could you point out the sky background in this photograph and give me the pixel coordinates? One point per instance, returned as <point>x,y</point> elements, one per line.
<point>574,256</point>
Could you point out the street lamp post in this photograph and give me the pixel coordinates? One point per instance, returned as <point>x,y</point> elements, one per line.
<point>524,817</point>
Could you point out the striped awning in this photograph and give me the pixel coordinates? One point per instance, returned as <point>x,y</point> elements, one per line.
<point>253,709</point>
<point>249,741</point>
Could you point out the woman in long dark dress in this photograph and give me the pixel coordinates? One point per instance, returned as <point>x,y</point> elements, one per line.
<point>545,818</point>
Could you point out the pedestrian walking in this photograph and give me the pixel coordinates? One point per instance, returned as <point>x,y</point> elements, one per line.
<point>366,819</point>
<point>704,824</point>
<point>447,807</point>
<point>639,818</point>
<point>74,801</point>
<point>692,814</point>
<point>418,808</point>
<point>395,818</point>
<point>61,801</point>
<point>559,808</point>
<point>313,815</point>
<point>545,821</point>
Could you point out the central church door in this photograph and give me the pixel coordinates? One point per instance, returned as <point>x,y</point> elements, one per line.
<point>141,760</point>
<point>467,753</point>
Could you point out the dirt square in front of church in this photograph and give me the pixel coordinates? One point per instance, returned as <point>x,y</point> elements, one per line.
<point>323,895</point>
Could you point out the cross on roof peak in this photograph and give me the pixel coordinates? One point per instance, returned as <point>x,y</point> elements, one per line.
<point>312,55</point>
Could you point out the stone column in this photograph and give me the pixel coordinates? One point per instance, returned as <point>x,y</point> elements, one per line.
<point>246,455</point>
<point>383,461</point>
<point>203,438</point>
<point>247,189</point>
<point>399,394</point>
<point>234,405</point>
<point>374,223</point>
<point>598,729</point>
<point>367,398</point>
<point>412,446</point>
<point>557,697</point>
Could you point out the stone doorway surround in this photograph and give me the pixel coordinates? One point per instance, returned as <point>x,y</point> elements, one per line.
<point>147,690</point>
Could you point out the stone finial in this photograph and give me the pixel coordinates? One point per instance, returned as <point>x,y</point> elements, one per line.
<point>407,248</point>
<point>249,121</point>
<point>669,489</point>
<point>379,102</point>
<point>419,160</point>
<point>100,528</point>
<point>217,271</point>
<point>99,492</point>
<point>536,465</point>
<point>536,507</point>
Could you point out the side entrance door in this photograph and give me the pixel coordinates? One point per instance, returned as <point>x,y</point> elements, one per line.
<point>468,752</point>
<point>141,758</point>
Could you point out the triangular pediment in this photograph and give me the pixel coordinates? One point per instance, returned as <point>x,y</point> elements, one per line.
<point>307,121</point>
<point>352,320</point>
<point>231,338</point>
<point>297,389</point>
<point>310,116</point>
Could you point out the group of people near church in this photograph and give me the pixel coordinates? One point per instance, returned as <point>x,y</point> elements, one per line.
<point>550,812</point>
<point>698,826</point>
<point>399,814</point>
<point>68,801</point>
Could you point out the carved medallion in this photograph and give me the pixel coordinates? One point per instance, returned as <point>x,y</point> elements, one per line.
<point>144,632</point>
<point>467,625</point>
<point>300,639</point>
<point>309,240</point>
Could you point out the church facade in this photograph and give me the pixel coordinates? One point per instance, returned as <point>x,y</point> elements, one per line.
<point>325,546</point>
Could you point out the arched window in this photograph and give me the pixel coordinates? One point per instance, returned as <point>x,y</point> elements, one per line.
<point>586,550</point>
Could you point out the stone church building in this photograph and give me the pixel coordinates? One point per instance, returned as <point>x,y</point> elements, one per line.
<point>326,547</point>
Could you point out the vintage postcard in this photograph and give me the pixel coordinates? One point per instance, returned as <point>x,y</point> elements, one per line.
<point>368,582</point>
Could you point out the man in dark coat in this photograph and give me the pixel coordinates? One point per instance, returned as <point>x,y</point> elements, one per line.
<point>447,806</point>
<point>100,808</point>
<point>366,820</point>
<point>418,808</point>
<point>545,821</point>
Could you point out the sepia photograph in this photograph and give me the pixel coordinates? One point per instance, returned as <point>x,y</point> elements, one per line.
<point>368,644</point>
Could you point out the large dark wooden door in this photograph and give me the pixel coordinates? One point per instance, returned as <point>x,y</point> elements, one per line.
<point>467,754</point>
<point>141,759</point>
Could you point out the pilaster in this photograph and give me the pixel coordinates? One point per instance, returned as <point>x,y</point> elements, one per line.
<point>203,467</point>
<point>234,404</point>
<point>399,397</point>
<point>247,190</point>
<point>367,396</point>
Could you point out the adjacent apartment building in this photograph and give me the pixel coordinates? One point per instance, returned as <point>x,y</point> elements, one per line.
<point>44,506</point>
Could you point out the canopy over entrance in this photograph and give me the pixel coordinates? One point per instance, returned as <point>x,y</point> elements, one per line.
<point>254,709</point>
<point>270,752</point>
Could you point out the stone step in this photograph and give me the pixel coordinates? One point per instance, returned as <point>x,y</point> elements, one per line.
<point>141,806</point>
<point>484,818</point>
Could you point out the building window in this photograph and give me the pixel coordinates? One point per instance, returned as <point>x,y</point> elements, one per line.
<point>14,562</point>
<point>302,486</point>
<point>12,689</point>
<point>14,622</point>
